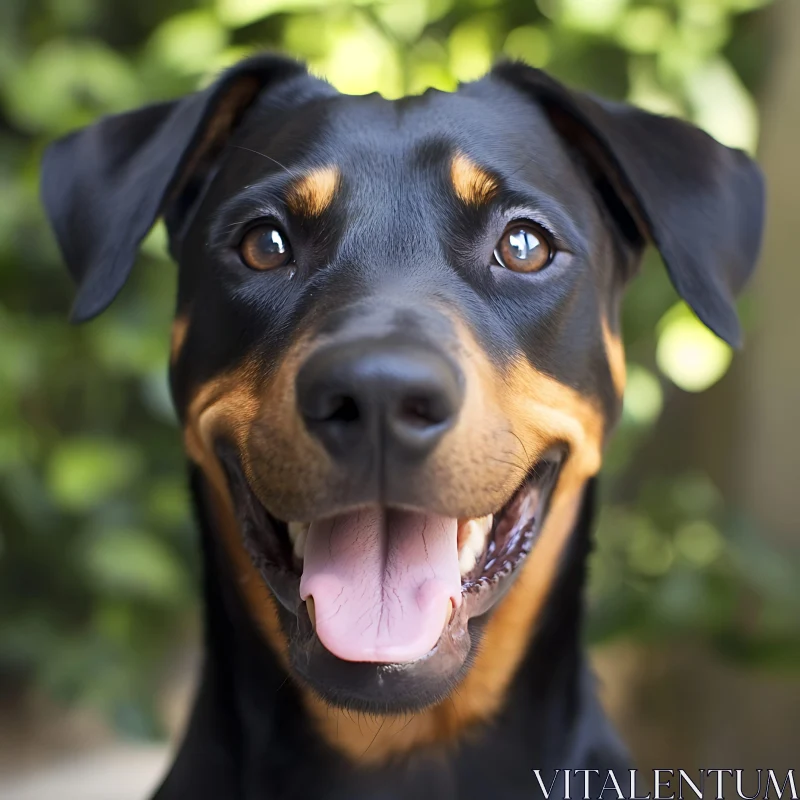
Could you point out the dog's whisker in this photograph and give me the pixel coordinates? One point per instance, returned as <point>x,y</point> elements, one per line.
<point>412,717</point>
<point>516,465</point>
<point>372,741</point>
<point>263,155</point>
<point>521,443</point>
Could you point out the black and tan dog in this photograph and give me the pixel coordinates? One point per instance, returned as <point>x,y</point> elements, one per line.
<point>396,359</point>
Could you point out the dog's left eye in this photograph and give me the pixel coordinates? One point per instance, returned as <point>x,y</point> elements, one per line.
<point>265,247</point>
<point>523,247</point>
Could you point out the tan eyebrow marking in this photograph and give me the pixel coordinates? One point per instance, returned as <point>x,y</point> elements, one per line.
<point>313,192</point>
<point>473,184</point>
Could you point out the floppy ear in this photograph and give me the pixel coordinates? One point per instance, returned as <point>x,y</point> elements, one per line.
<point>104,186</point>
<point>700,203</point>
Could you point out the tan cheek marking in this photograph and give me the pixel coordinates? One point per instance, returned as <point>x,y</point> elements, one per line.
<point>546,412</point>
<point>312,193</point>
<point>540,410</point>
<point>180,327</point>
<point>615,352</point>
<point>228,405</point>
<point>472,184</point>
<point>281,459</point>
<point>482,443</point>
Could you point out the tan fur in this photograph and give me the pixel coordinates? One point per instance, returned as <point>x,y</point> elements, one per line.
<point>180,327</point>
<point>615,353</point>
<point>227,406</point>
<point>281,460</point>
<point>313,192</point>
<point>226,114</point>
<point>473,184</point>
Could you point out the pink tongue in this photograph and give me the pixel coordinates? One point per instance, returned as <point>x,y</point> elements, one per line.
<point>381,582</point>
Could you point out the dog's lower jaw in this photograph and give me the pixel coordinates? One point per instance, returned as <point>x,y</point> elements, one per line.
<point>255,733</point>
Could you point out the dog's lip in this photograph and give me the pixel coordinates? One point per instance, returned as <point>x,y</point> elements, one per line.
<point>268,544</point>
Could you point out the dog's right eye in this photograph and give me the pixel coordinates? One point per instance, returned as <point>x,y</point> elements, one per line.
<point>265,247</point>
<point>524,247</point>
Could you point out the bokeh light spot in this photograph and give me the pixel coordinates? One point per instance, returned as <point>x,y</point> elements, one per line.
<point>699,542</point>
<point>689,354</point>
<point>643,396</point>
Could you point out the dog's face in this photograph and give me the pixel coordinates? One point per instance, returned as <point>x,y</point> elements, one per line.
<point>398,333</point>
<point>396,354</point>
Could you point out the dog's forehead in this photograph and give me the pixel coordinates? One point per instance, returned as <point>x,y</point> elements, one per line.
<point>372,140</point>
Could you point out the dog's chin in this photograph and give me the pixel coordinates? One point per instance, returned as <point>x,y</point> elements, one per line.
<point>490,553</point>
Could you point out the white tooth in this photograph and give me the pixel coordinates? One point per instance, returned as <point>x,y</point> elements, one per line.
<point>466,561</point>
<point>298,533</point>
<point>474,542</point>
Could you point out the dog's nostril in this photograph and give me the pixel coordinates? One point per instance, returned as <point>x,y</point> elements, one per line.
<point>343,409</point>
<point>420,412</point>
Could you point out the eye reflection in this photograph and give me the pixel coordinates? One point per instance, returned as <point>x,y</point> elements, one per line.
<point>272,242</point>
<point>265,247</point>
<point>523,243</point>
<point>523,248</point>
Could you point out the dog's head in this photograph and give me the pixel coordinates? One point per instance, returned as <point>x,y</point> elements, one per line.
<point>396,354</point>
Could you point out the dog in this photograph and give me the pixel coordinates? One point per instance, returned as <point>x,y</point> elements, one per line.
<point>396,360</point>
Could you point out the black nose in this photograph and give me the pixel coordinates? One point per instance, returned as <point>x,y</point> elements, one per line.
<point>379,395</point>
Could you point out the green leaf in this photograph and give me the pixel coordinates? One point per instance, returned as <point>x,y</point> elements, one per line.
<point>132,562</point>
<point>84,471</point>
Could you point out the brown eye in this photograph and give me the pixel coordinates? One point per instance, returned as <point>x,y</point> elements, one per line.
<point>523,248</point>
<point>265,247</point>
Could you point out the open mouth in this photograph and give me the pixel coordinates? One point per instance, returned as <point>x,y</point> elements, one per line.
<point>390,587</point>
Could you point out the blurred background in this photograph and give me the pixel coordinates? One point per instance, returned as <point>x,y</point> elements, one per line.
<point>694,598</point>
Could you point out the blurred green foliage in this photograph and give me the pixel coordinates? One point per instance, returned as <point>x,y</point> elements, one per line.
<point>97,554</point>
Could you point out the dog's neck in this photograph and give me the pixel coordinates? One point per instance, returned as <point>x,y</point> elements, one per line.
<point>251,734</point>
